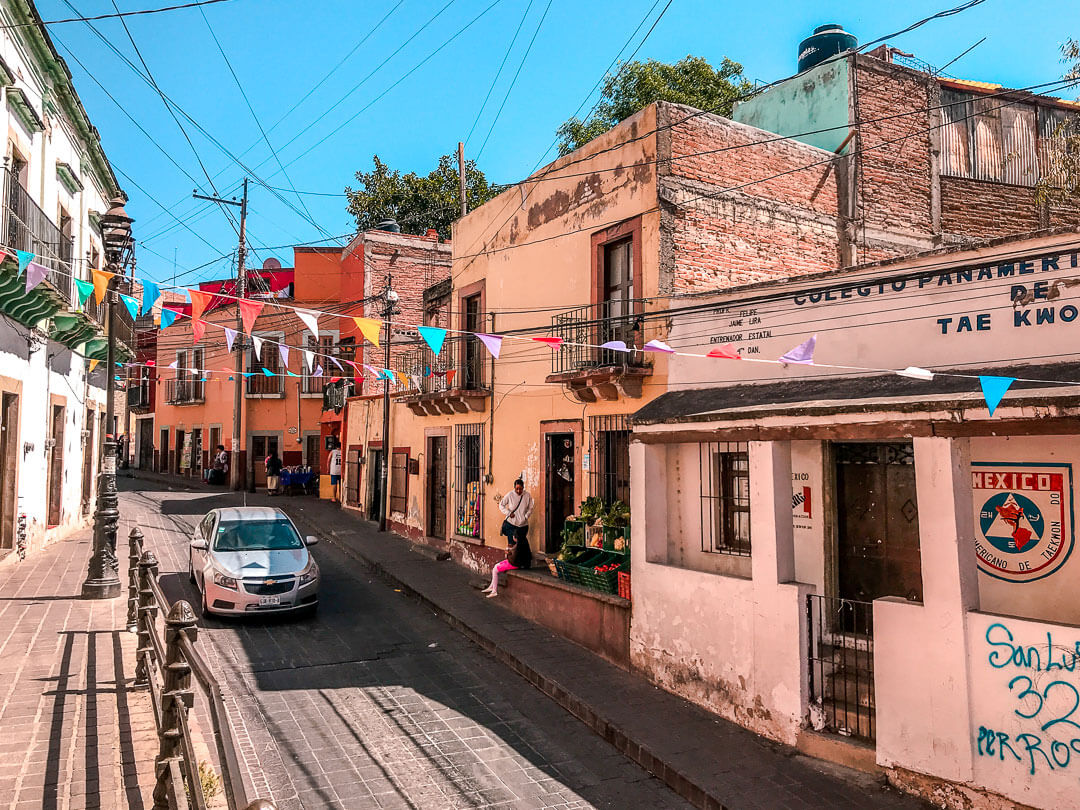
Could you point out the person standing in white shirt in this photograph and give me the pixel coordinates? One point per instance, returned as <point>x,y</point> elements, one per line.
<point>335,470</point>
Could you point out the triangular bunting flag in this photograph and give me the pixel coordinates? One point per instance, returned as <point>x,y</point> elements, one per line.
<point>657,346</point>
<point>450,374</point>
<point>553,342</point>
<point>310,319</point>
<point>150,294</point>
<point>994,388</point>
<point>433,336</point>
<point>615,345</point>
<point>25,257</point>
<point>230,336</point>
<point>388,374</point>
<point>248,374</point>
<point>318,371</point>
<point>84,289</point>
<point>131,304</point>
<point>172,364</point>
<point>283,352</point>
<point>334,379</point>
<point>168,316</point>
<point>374,371</point>
<point>198,329</point>
<point>267,372</point>
<point>101,283</point>
<point>258,341</point>
<point>309,359</point>
<point>334,360</point>
<point>93,365</point>
<point>291,373</point>
<point>725,351</point>
<point>369,328</point>
<point>916,373</point>
<point>493,343</point>
<point>249,313</point>
<point>35,274</point>
<point>803,354</point>
<point>427,371</point>
<point>199,302</point>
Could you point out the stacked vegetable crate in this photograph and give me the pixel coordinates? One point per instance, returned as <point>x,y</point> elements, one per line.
<point>581,566</point>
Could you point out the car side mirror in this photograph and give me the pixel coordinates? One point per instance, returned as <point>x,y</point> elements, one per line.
<point>311,540</point>
<point>199,544</point>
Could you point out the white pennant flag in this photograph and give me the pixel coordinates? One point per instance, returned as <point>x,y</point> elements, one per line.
<point>309,359</point>
<point>310,319</point>
<point>258,346</point>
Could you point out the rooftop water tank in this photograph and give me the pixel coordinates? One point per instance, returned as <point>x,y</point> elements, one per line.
<point>826,41</point>
<point>388,225</point>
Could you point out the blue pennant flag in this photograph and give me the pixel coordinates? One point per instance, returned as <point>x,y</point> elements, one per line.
<point>994,388</point>
<point>267,372</point>
<point>150,294</point>
<point>167,317</point>
<point>131,304</point>
<point>25,257</point>
<point>433,336</point>
<point>246,374</point>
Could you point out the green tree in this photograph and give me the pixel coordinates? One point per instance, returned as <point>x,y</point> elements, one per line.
<point>692,81</point>
<point>416,202</point>
<point>1060,182</point>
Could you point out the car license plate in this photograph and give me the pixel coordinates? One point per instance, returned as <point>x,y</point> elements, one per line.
<point>269,600</point>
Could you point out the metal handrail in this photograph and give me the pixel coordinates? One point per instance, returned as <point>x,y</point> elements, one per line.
<point>166,666</point>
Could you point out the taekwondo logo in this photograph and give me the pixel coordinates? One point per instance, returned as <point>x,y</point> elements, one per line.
<point>1024,519</point>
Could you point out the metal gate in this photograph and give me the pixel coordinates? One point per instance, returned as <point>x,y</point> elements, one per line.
<point>841,665</point>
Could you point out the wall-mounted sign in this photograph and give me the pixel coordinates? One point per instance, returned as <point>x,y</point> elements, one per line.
<point>585,462</point>
<point>292,430</point>
<point>1023,519</point>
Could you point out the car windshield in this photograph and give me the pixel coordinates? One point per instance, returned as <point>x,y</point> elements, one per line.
<point>256,535</point>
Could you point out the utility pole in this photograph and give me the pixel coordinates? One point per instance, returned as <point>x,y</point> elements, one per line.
<point>461,177</point>
<point>237,472</point>
<point>389,310</point>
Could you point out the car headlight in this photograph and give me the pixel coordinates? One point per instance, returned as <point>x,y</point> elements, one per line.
<point>224,582</point>
<point>310,575</point>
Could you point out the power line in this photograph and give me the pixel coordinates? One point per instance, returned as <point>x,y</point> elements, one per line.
<point>120,14</point>
<point>498,73</point>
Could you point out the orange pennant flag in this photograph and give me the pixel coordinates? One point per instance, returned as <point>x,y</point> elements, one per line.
<point>249,313</point>
<point>369,328</point>
<point>101,284</point>
<point>403,377</point>
<point>199,302</point>
<point>93,365</point>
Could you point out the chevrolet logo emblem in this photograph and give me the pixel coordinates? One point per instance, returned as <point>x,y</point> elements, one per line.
<point>270,582</point>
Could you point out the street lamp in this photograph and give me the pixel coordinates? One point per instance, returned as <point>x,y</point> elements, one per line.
<point>102,581</point>
<point>390,299</point>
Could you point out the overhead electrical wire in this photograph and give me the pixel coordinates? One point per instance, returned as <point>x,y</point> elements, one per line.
<point>498,73</point>
<point>118,14</point>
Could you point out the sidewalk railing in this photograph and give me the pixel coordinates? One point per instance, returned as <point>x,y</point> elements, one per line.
<point>166,664</point>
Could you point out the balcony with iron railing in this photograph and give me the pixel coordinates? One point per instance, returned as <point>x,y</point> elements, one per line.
<point>26,227</point>
<point>259,385</point>
<point>139,397</point>
<point>185,391</point>
<point>454,381</point>
<point>592,373</point>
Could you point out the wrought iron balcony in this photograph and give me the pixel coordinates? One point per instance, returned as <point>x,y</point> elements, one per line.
<point>26,227</point>
<point>595,325</point>
<point>261,385</point>
<point>454,381</point>
<point>138,395</point>
<point>185,391</point>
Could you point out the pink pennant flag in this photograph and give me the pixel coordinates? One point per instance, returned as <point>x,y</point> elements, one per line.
<point>283,351</point>
<point>725,352</point>
<point>198,329</point>
<point>553,342</point>
<point>249,313</point>
<point>493,343</point>
<point>35,274</point>
<point>803,354</point>
<point>310,319</point>
<point>230,336</point>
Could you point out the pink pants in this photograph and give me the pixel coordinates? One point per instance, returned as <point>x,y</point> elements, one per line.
<point>496,570</point>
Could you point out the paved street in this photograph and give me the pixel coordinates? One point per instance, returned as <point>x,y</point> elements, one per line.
<point>378,703</point>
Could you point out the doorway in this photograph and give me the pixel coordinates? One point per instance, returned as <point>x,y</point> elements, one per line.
<point>146,443</point>
<point>56,466</point>
<point>436,487</point>
<point>9,441</point>
<point>88,461</point>
<point>196,463</point>
<point>163,459</point>
<point>559,487</point>
<point>877,519</point>
<point>375,487</point>
<point>261,447</point>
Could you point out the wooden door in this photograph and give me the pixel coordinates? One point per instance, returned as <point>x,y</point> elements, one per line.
<point>88,461</point>
<point>56,466</point>
<point>558,488</point>
<point>146,444</point>
<point>375,487</point>
<point>260,449</point>
<point>436,487</point>
<point>877,522</point>
<point>163,458</point>
<point>9,442</point>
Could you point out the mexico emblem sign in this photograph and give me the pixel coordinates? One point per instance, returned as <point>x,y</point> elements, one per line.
<point>1023,519</point>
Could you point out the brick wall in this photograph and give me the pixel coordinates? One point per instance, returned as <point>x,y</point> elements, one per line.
<point>741,213</point>
<point>414,263</point>
<point>976,208</point>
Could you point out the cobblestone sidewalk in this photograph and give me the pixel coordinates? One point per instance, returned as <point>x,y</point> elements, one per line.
<point>73,733</point>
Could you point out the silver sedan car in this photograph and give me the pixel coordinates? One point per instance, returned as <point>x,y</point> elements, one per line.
<point>252,559</point>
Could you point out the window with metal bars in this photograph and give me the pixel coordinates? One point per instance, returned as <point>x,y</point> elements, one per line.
<point>259,383</point>
<point>399,481</point>
<point>725,497</point>
<point>609,468</point>
<point>324,347</point>
<point>469,479</point>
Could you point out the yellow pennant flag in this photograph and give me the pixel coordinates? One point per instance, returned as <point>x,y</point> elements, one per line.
<point>369,328</point>
<point>403,377</point>
<point>101,284</point>
<point>93,365</point>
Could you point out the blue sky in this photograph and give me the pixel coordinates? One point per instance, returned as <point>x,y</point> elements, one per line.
<point>281,48</point>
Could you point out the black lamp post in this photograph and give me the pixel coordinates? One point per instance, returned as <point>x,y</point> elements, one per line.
<point>102,581</point>
<point>390,299</point>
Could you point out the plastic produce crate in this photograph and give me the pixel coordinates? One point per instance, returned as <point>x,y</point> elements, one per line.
<point>624,584</point>
<point>581,569</point>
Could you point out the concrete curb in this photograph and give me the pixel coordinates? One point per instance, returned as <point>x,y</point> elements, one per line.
<point>634,750</point>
